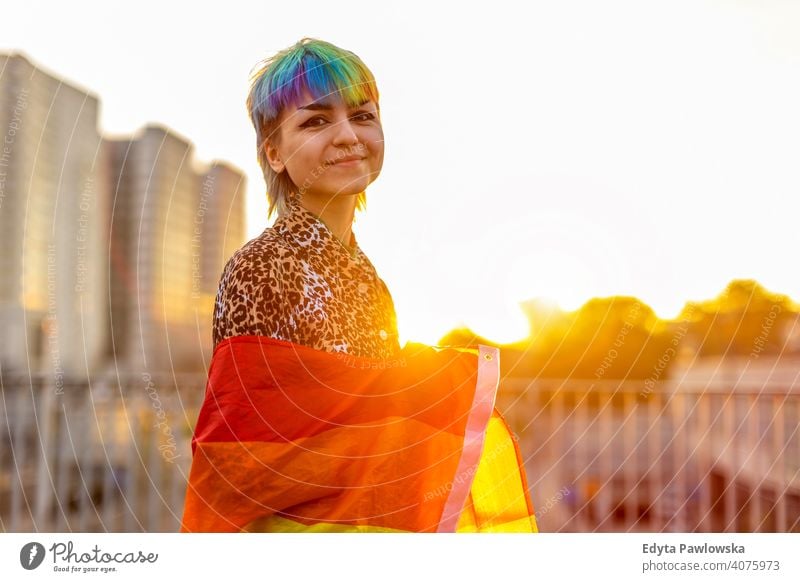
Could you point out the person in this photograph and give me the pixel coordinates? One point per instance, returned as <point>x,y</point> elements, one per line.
<point>291,435</point>
<point>316,113</point>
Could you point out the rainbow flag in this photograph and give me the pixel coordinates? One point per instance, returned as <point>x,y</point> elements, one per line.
<point>293,439</point>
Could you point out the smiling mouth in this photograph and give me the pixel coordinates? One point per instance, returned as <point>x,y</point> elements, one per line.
<point>348,160</point>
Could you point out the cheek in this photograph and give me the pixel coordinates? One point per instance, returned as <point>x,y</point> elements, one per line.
<point>376,144</point>
<point>303,158</point>
<point>379,157</point>
<point>377,135</point>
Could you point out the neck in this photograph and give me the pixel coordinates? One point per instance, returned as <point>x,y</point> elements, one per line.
<point>336,212</point>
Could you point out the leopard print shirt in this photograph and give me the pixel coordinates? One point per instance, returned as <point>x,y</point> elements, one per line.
<point>296,282</point>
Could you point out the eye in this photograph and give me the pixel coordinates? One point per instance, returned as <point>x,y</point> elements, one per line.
<point>363,116</point>
<point>313,122</point>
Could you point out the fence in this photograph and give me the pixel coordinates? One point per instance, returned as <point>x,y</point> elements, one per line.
<point>113,456</point>
<point>622,456</point>
<point>600,456</point>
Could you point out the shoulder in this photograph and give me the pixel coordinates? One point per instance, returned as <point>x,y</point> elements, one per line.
<point>258,263</point>
<point>250,299</point>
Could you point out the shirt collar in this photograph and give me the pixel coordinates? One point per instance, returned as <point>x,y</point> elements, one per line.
<point>302,226</point>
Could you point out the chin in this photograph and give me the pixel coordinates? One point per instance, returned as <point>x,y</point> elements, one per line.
<point>352,189</point>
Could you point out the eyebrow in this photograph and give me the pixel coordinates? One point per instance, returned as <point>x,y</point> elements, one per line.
<point>325,105</point>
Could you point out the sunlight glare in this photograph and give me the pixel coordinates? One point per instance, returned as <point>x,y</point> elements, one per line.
<point>500,322</point>
<point>551,275</point>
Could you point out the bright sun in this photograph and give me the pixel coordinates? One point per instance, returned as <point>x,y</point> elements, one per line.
<point>491,307</point>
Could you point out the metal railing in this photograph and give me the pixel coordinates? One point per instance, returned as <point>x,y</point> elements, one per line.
<point>679,457</point>
<point>600,455</point>
<point>113,456</point>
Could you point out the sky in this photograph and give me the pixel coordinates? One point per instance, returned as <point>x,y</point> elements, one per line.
<point>560,150</point>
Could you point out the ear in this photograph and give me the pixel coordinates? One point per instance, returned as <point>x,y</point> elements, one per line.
<point>274,158</point>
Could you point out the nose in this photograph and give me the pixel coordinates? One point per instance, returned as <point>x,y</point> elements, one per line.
<point>345,133</point>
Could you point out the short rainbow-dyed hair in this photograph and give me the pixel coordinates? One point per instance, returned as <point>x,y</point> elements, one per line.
<point>313,65</point>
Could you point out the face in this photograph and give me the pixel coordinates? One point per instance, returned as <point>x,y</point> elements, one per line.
<point>327,148</point>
